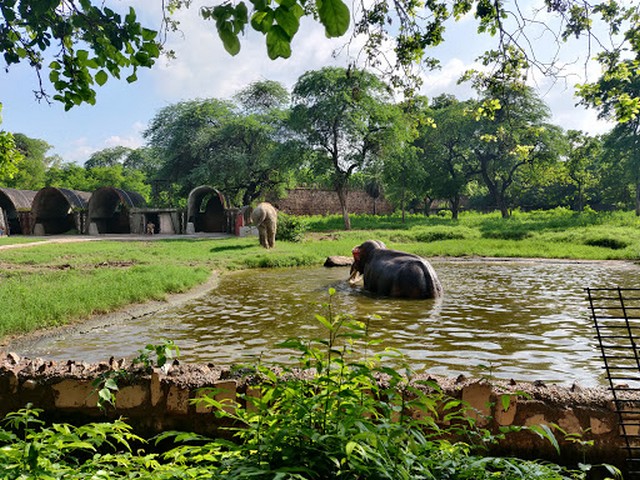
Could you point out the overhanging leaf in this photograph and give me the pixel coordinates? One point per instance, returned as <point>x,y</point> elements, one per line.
<point>287,20</point>
<point>334,15</point>
<point>101,77</point>
<point>229,40</point>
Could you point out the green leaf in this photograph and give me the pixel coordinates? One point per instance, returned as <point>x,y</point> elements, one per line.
<point>545,432</point>
<point>262,21</point>
<point>241,17</point>
<point>260,5</point>
<point>334,15</point>
<point>229,39</point>
<point>148,35</point>
<point>111,384</point>
<point>287,20</point>
<point>101,77</point>
<point>506,402</point>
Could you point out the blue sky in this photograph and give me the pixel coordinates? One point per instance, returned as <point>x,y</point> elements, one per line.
<point>203,69</point>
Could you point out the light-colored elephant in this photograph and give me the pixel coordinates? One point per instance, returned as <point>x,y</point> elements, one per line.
<point>265,217</point>
<point>394,273</point>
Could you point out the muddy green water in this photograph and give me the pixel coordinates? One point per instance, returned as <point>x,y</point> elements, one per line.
<point>526,320</point>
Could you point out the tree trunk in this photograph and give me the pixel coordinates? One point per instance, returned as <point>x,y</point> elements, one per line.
<point>342,197</point>
<point>455,206</point>
<point>580,198</point>
<point>428,201</point>
<point>504,209</point>
<point>637,199</point>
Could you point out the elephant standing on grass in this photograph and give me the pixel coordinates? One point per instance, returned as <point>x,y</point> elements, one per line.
<point>394,273</point>
<point>265,217</point>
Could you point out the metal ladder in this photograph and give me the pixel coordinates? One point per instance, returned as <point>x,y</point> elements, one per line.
<point>616,317</point>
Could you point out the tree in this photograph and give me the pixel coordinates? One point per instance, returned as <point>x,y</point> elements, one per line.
<point>235,148</point>
<point>88,44</point>
<point>257,154</point>
<point>581,163</point>
<point>108,157</point>
<point>347,117</point>
<point>31,174</point>
<point>514,134</point>
<point>176,130</point>
<point>620,167</point>
<point>10,156</point>
<point>91,43</point>
<point>263,97</point>
<point>446,152</point>
<point>616,95</point>
<point>410,28</point>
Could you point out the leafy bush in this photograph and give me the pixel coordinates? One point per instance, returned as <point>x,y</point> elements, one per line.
<point>435,234</point>
<point>607,242</point>
<point>290,228</point>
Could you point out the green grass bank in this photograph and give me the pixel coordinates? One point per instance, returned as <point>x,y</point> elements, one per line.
<point>50,284</point>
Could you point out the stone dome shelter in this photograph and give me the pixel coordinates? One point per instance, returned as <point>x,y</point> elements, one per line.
<point>59,210</point>
<point>109,210</point>
<point>15,208</point>
<point>206,210</point>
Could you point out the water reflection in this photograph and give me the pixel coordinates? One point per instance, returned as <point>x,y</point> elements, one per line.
<point>508,319</point>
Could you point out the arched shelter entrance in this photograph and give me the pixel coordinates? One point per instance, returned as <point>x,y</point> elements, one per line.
<point>59,210</point>
<point>109,210</point>
<point>206,210</point>
<point>15,211</point>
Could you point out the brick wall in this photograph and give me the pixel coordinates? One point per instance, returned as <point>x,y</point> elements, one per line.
<point>305,201</point>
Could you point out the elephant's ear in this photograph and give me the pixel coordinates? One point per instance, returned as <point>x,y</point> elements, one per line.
<point>356,254</point>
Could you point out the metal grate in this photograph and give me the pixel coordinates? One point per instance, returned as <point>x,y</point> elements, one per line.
<point>616,317</point>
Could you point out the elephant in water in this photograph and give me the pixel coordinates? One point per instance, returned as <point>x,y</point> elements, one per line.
<point>265,217</point>
<point>393,273</point>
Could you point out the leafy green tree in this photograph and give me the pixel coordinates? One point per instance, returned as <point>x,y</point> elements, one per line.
<point>446,150</point>
<point>582,164</point>
<point>248,155</point>
<point>10,156</point>
<point>410,28</point>
<point>620,166</point>
<point>239,149</point>
<point>616,96</point>
<point>31,174</point>
<point>404,179</point>
<point>347,117</point>
<point>68,175</point>
<point>88,44</point>
<point>143,159</point>
<point>75,177</point>
<point>108,157</point>
<point>91,43</point>
<point>263,97</point>
<point>176,129</point>
<point>513,134</point>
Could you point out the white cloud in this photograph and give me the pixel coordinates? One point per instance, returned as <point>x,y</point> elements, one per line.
<point>202,68</point>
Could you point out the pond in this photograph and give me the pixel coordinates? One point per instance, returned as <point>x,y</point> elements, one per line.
<point>507,319</point>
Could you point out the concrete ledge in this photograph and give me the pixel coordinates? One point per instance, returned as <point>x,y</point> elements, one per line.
<point>162,400</point>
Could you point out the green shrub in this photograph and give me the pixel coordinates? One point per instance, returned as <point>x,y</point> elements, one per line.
<point>439,233</point>
<point>607,242</point>
<point>290,228</point>
<point>507,234</point>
